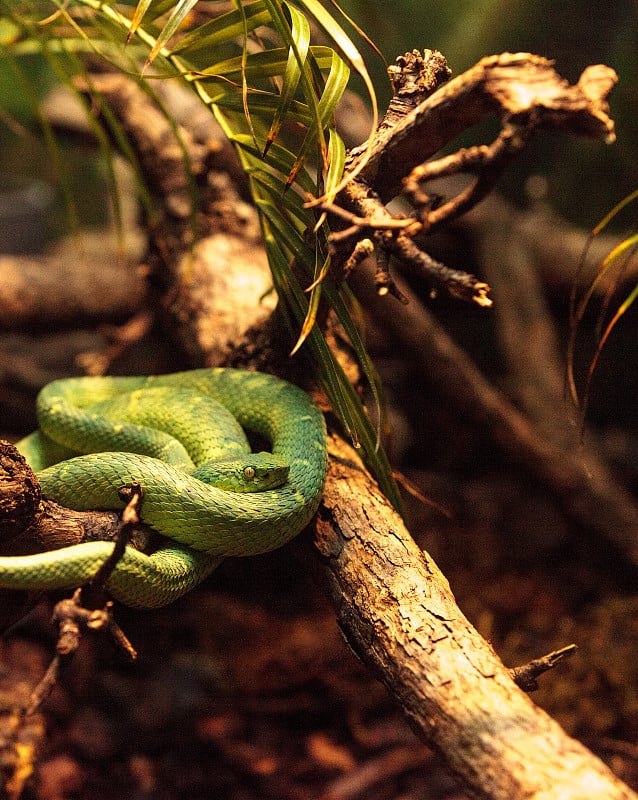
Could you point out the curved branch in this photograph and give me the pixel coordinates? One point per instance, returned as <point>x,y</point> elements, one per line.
<point>522,90</point>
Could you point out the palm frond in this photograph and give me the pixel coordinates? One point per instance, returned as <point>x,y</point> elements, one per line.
<point>275,95</point>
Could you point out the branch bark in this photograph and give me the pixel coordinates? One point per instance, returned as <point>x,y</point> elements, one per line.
<point>398,613</point>
<point>526,95</point>
<point>75,284</point>
<point>509,85</point>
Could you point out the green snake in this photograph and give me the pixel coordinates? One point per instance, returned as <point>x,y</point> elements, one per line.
<point>180,436</point>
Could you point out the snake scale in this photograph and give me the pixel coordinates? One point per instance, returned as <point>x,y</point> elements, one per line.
<point>103,418</point>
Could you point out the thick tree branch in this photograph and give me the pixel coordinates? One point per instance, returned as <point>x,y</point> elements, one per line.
<point>209,266</point>
<point>398,613</point>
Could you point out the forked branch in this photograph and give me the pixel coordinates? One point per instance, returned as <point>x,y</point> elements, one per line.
<point>526,95</point>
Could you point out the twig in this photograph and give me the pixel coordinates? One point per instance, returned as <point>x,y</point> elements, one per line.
<point>487,161</point>
<point>525,676</point>
<point>72,618</point>
<point>120,339</point>
<point>132,495</point>
<point>458,283</point>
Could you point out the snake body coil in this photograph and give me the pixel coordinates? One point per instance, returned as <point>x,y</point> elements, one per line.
<point>204,523</point>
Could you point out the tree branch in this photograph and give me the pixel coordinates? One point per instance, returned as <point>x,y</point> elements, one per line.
<point>399,615</point>
<point>522,90</point>
<point>521,86</point>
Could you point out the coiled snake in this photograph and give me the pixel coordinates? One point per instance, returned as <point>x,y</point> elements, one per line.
<point>105,418</point>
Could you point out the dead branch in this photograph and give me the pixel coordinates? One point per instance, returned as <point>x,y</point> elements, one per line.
<point>32,524</point>
<point>518,86</point>
<point>527,96</point>
<point>73,620</point>
<point>210,267</point>
<point>526,676</point>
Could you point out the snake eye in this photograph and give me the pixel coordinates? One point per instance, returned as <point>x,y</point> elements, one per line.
<point>249,473</point>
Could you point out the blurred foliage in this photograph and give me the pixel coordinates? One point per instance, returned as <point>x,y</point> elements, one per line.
<point>617,263</point>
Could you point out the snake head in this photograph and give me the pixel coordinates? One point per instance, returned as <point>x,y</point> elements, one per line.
<point>253,472</point>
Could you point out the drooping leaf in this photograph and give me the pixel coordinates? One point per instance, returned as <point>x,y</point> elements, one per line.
<point>275,95</point>
<point>178,15</point>
<point>295,63</point>
<point>334,88</point>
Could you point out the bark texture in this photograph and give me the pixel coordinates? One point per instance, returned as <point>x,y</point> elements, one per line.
<point>397,611</point>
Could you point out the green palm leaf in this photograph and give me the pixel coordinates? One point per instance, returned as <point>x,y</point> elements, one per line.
<point>178,15</point>
<point>295,64</point>
<point>206,40</point>
<point>261,88</point>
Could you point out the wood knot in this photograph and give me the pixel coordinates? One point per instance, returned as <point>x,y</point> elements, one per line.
<point>20,492</point>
